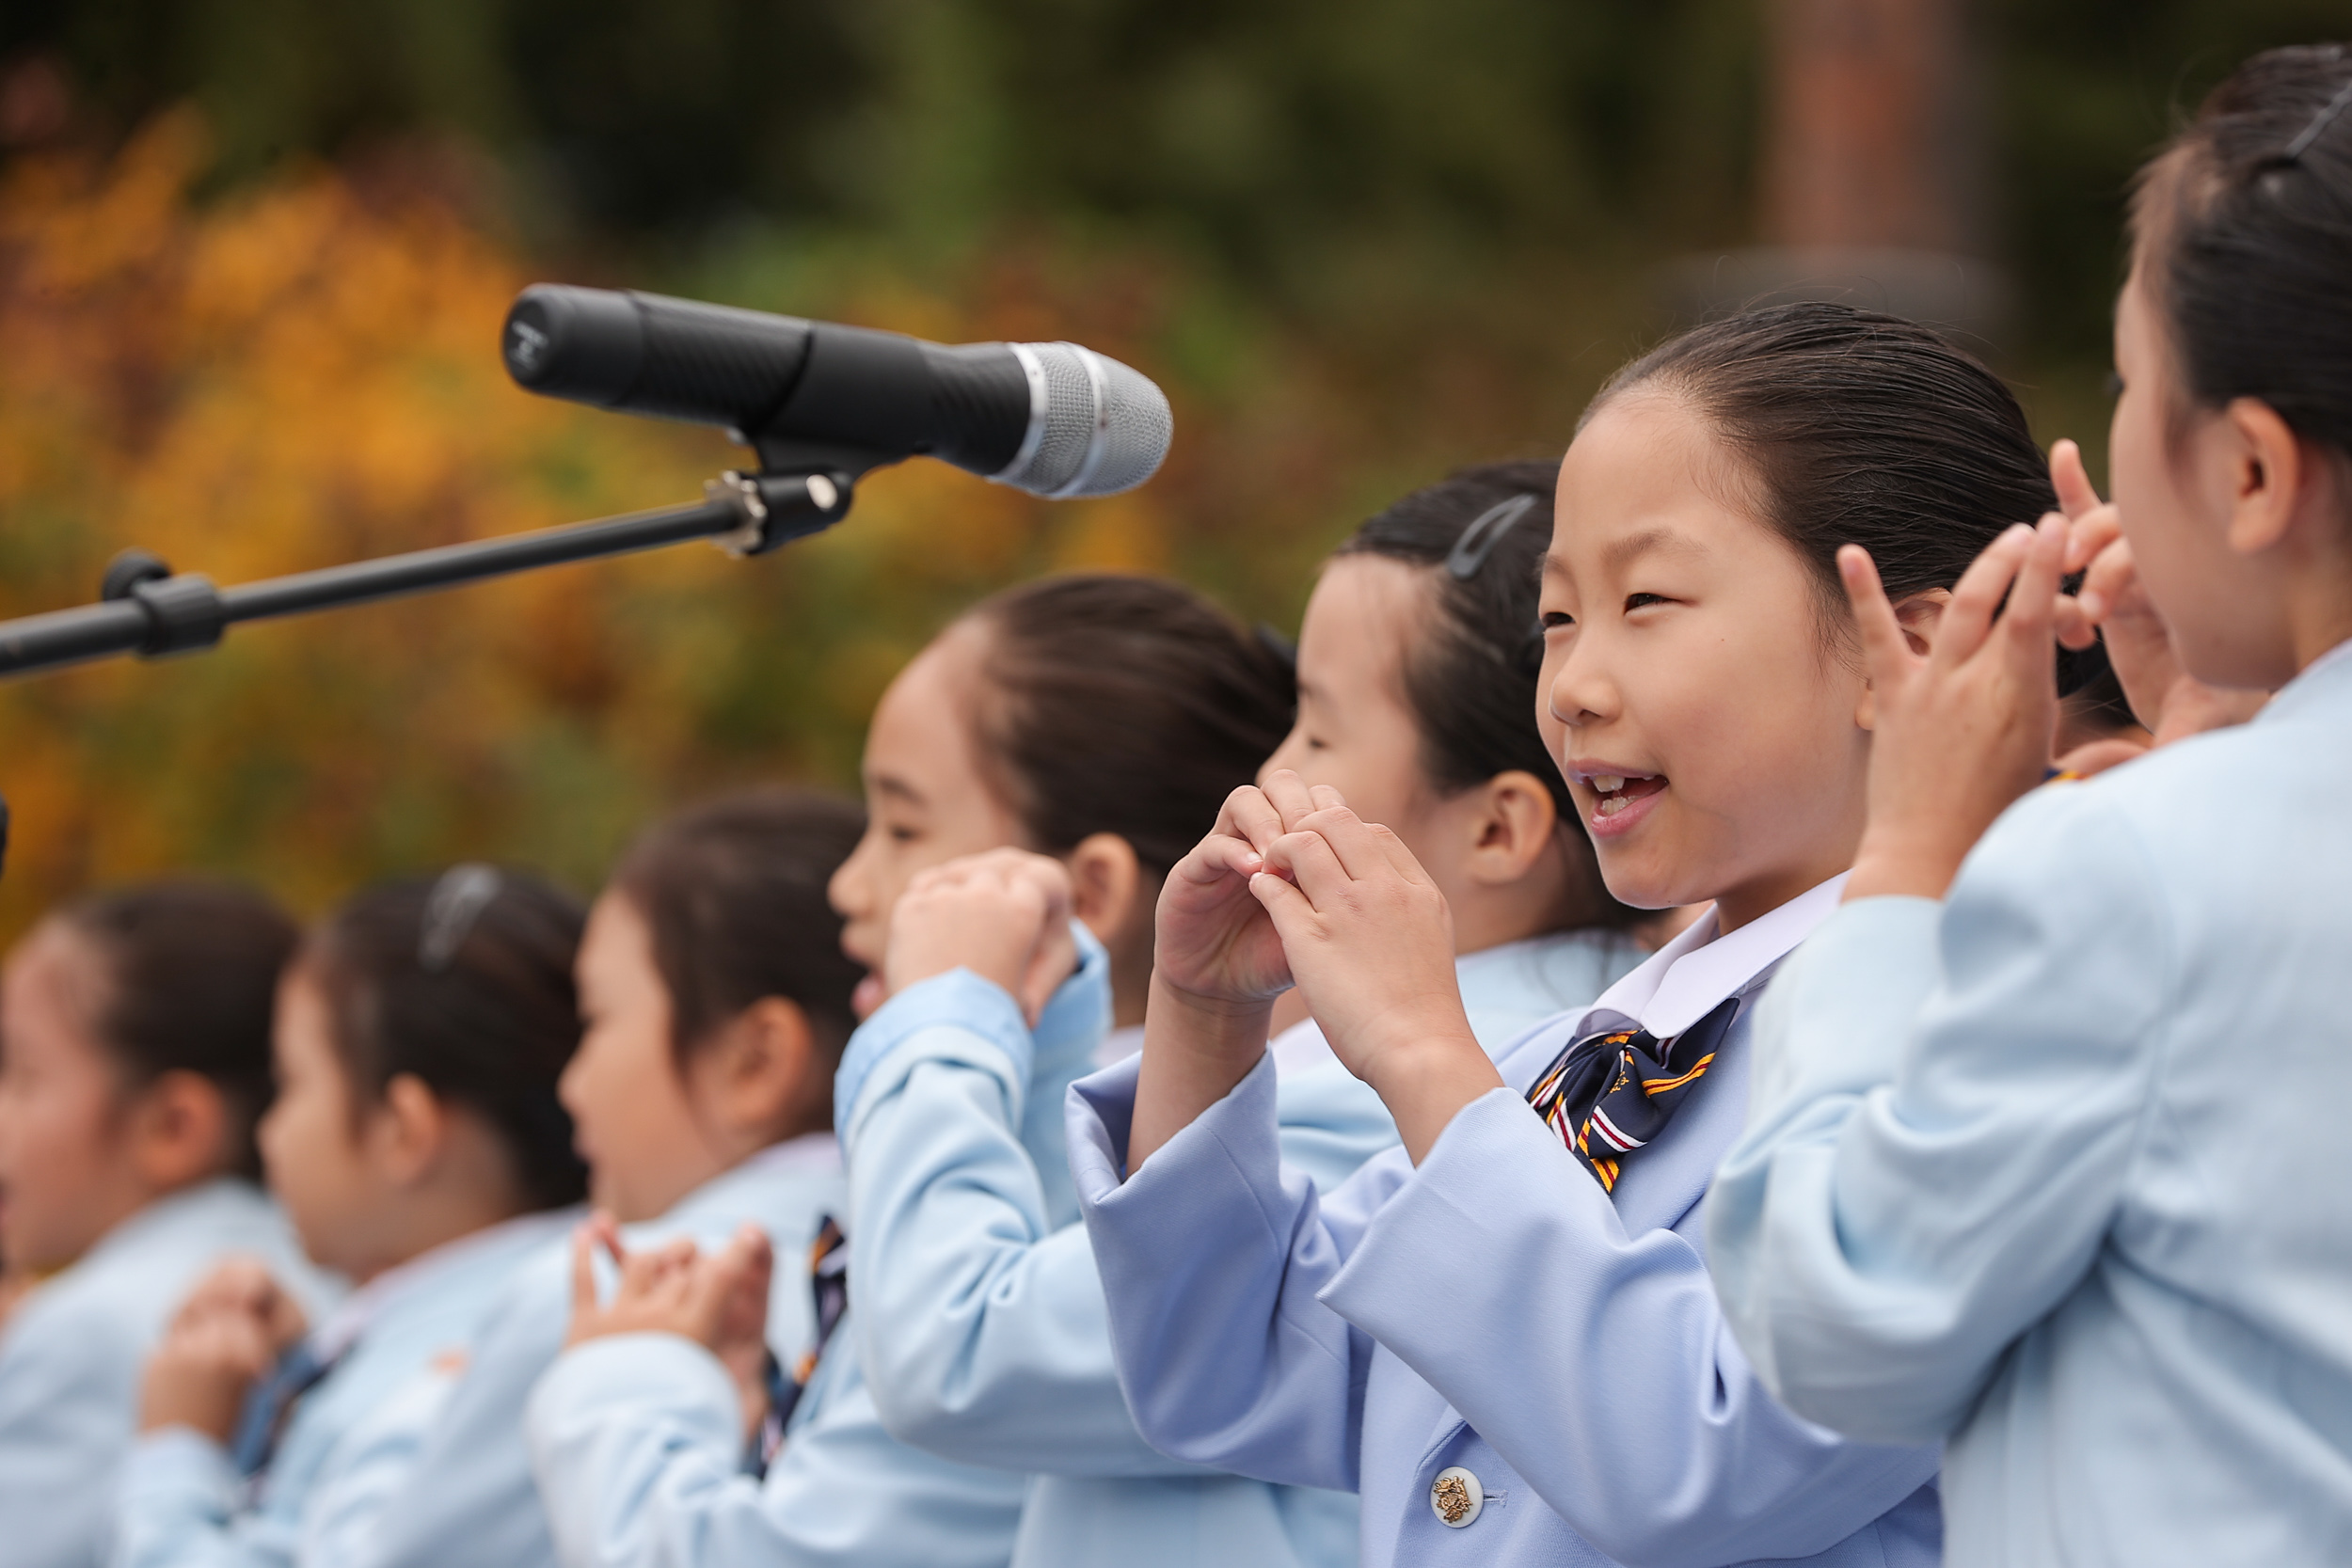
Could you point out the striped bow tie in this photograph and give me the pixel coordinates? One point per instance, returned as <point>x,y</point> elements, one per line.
<point>829,1282</point>
<point>1608,1095</point>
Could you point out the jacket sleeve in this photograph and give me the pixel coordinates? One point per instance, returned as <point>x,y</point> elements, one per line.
<point>178,1508</point>
<point>981,1327</point>
<point>68,1383</point>
<point>1947,1104</point>
<point>469,1502</point>
<point>637,1446</point>
<point>1211,1256</point>
<point>1501,1274</point>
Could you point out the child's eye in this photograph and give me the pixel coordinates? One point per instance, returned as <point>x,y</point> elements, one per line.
<point>904,835</point>
<point>1555,619</point>
<point>2115,385</point>
<point>1315,745</point>
<point>1635,601</point>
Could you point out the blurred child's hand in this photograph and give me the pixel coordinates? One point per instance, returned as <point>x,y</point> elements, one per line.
<point>1961,730</point>
<point>225,1338</point>
<point>2165,698</point>
<point>718,1301</point>
<point>1371,940</point>
<point>1004,915</point>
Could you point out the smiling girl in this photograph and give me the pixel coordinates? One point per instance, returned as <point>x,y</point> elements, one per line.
<point>2049,1156</point>
<point>1503,1335</point>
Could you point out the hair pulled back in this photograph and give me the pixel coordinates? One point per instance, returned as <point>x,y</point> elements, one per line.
<point>734,893</point>
<point>1123,705</point>
<point>191,971</point>
<point>2244,233</point>
<point>489,1026</point>
<point>1470,678</point>
<point>1852,427</point>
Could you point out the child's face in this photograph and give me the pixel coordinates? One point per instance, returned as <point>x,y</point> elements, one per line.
<point>1683,655</point>
<point>2173,493</point>
<point>1356,729</point>
<point>65,1177</point>
<point>313,1138</point>
<point>927,801</point>
<point>633,1113</point>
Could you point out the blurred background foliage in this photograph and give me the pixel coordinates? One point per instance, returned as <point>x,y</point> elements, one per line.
<point>253,256</point>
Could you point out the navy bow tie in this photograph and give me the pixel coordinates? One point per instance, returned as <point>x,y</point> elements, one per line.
<point>269,1402</point>
<point>1610,1094</point>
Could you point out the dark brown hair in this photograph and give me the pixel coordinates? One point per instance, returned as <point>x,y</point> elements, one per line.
<point>1851,427</point>
<point>191,974</point>
<point>489,1025</point>
<point>2244,229</point>
<point>734,893</point>
<point>1472,677</point>
<point>1127,705</point>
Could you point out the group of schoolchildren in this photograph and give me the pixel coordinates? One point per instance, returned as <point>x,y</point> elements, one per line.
<point>1635,1041</point>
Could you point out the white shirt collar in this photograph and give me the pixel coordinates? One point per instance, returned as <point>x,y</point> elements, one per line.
<point>349,1322</point>
<point>1684,981</point>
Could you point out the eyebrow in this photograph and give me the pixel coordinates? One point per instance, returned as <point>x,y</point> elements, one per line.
<point>1620,553</point>
<point>896,787</point>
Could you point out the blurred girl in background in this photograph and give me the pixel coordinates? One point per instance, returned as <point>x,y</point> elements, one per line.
<point>133,1060</point>
<point>417,1142</point>
<point>1092,719</point>
<point>1503,1335</point>
<point>716,1000</point>
<point>2049,1159</point>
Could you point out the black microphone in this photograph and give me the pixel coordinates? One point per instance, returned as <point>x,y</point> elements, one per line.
<point>1053,418</point>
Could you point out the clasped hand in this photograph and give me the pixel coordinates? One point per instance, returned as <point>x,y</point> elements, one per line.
<point>719,1300</point>
<point>1293,887</point>
<point>225,1338</point>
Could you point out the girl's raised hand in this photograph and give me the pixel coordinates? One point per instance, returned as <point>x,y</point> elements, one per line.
<point>1964,729</point>
<point>1212,941</point>
<point>718,1300</point>
<point>2165,697</point>
<point>1004,915</point>
<point>1370,939</point>
<point>224,1337</point>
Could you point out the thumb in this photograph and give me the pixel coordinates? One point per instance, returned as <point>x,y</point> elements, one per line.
<point>1291,911</point>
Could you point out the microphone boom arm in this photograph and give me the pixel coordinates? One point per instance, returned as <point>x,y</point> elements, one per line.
<point>148,611</point>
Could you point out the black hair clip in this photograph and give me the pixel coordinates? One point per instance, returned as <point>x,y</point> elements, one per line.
<point>458,899</point>
<point>1478,541</point>
<point>2317,127</point>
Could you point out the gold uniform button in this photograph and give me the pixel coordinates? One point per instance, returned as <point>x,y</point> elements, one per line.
<point>1455,1497</point>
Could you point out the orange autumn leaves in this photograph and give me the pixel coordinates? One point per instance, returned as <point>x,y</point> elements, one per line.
<point>306,372</point>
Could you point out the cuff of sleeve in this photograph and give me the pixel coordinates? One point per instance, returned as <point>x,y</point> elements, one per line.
<point>182,1463</point>
<point>1836,1016</point>
<point>951,1009</point>
<point>627,1375</point>
<point>1446,1223</point>
<point>1238,1131</point>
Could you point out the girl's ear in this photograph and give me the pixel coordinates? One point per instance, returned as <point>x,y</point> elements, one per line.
<point>1105,888</point>
<point>764,1072</point>
<point>1919,614</point>
<point>1514,828</point>
<point>178,1131</point>
<point>2269,474</point>
<point>408,1130</point>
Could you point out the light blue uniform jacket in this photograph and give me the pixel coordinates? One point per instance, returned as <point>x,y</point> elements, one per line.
<point>71,1361</point>
<point>471,1503</point>
<point>2060,1166</point>
<point>637,1440</point>
<point>350,1441</point>
<point>1492,1310</point>
<point>982,1324</point>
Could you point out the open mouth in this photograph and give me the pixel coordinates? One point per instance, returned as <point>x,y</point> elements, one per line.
<point>1624,795</point>
<point>1618,791</point>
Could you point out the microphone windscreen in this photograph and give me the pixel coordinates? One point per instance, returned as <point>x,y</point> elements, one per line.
<point>1096,427</point>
